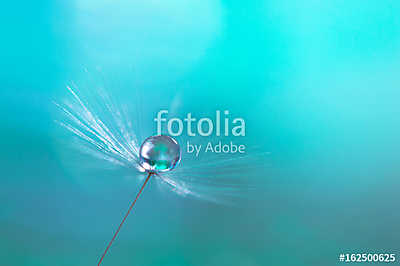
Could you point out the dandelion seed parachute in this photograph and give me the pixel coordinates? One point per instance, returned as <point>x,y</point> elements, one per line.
<point>106,132</point>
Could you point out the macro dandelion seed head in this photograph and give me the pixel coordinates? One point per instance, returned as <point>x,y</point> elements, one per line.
<point>105,131</point>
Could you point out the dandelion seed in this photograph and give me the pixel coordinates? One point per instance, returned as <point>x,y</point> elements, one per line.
<point>107,133</point>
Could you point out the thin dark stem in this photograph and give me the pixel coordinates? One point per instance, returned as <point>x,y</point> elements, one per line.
<point>123,220</point>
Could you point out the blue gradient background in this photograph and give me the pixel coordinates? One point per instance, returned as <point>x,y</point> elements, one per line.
<point>317,82</point>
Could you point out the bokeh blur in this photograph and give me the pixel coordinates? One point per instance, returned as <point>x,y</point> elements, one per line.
<point>317,82</point>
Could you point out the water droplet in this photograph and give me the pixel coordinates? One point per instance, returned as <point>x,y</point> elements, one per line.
<point>159,154</point>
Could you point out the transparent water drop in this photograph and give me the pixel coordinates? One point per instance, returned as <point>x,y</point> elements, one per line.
<point>159,154</point>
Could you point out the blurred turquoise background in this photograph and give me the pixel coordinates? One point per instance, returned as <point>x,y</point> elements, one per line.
<point>318,83</point>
